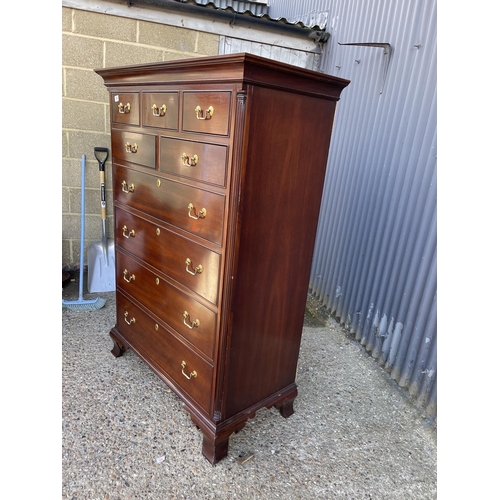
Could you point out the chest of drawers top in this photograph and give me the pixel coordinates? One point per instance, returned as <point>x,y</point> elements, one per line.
<point>230,68</point>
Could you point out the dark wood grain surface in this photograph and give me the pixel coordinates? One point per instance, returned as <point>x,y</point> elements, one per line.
<point>216,206</point>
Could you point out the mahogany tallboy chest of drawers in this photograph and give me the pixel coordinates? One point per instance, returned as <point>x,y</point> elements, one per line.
<point>218,170</point>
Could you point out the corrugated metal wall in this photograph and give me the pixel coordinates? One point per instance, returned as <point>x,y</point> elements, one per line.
<point>375,257</point>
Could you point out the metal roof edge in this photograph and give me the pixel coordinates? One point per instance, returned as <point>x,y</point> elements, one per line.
<point>246,18</point>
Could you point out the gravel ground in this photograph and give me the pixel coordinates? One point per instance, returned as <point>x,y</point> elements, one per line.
<point>125,435</point>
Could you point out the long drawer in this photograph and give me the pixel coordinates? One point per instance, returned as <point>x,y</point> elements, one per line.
<point>188,263</point>
<point>189,372</point>
<point>195,210</point>
<point>195,322</point>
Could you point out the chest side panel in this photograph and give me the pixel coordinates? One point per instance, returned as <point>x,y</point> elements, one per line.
<point>280,200</point>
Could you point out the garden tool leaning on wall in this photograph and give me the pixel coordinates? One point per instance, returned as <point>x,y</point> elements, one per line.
<point>101,254</point>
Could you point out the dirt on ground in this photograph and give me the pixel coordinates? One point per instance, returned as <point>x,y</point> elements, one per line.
<point>316,315</point>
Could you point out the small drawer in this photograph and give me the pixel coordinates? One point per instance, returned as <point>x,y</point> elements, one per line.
<point>160,110</point>
<point>190,373</point>
<point>206,112</point>
<point>186,262</point>
<point>195,322</point>
<point>133,147</point>
<point>195,210</point>
<point>194,160</point>
<point>125,108</point>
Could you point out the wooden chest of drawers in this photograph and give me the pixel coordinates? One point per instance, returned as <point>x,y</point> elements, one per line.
<point>218,169</point>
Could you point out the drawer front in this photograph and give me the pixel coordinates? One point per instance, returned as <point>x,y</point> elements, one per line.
<point>194,160</point>
<point>133,147</point>
<point>125,107</point>
<point>160,110</point>
<point>189,318</point>
<point>169,253</point>
<point>206,112</point>
<point>195,210</point>
<point>189,372</point>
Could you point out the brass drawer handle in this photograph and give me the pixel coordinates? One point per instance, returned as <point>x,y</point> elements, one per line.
<point>124,109</point>
<point>201,214</point>
<point>192,374</point>
<point>126,188</point>
<point>128,321</point>
<point>197,269</point>
<point>128,233</point>
<point>189,162</point>
<point>125,274</point>
<point>200,115</point>
<point>129,148</point>
<point>196,322</point>
<point>159,111</point>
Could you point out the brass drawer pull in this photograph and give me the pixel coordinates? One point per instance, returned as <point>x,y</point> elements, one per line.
<point>127,233</point>
<point>128,280</point>
<point>159,111</point>
<point>196,322</point>
<point>129,148</point>
<point>124,109</point>
<point>192,374</point>
<point>189,162</point>
<point>126,188</point>
<point>204,116</point>
<point>128,321</point>
<point>201,214</point>
<point>197,269</point>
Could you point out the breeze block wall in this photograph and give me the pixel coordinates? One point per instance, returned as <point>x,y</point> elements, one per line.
<point>92,40</point>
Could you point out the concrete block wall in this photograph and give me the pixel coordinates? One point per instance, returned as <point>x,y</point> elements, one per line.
<point>93,40</point>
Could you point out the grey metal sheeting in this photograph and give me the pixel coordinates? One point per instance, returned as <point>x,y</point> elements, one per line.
<point>375,258</point>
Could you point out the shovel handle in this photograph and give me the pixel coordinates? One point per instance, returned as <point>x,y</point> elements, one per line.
<point>99,156</point>
<point>103,194</point>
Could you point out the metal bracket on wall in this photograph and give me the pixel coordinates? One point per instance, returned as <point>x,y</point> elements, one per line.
<point>387,55</point>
